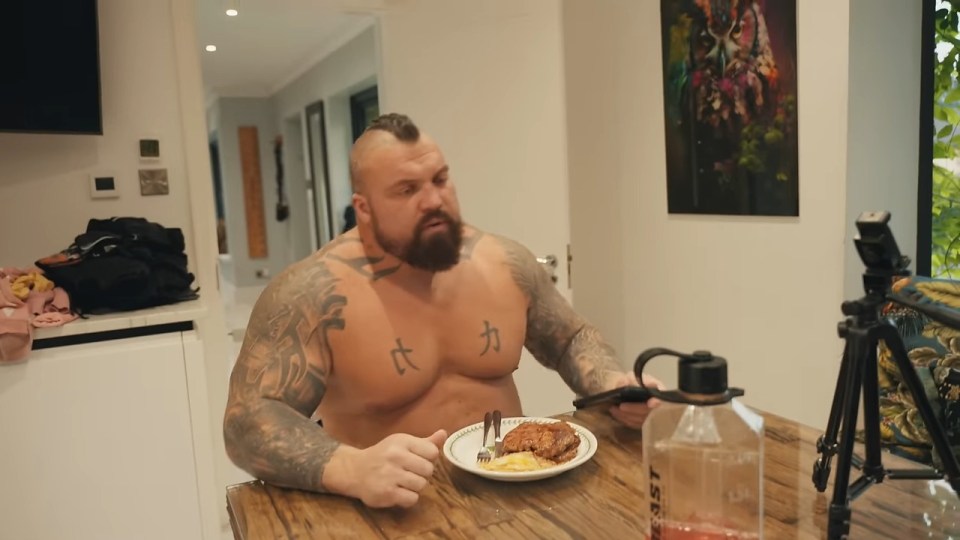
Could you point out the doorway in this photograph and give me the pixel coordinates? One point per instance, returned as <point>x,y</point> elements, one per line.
<point>300,230</point>
<point>318,182</point>
<point>364,107</point>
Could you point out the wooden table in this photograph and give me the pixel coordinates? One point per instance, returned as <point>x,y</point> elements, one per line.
<point>601,499</point>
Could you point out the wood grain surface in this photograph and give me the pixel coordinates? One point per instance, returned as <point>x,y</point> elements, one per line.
<point>253,192</point>
<point>601,499</point>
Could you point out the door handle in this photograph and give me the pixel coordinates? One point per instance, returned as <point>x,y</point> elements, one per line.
<point>550,261</point>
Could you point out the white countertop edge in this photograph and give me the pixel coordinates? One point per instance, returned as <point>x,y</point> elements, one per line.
<point>190,310</point>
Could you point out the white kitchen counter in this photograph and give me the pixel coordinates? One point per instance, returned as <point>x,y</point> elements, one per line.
<point>107,423</point>
<point>174,313</point>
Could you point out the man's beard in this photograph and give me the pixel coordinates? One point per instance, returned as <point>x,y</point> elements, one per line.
<point>438,252</point>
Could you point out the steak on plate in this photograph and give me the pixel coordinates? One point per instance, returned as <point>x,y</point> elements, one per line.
<point>557,441</point>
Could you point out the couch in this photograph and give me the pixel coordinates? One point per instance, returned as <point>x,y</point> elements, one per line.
<point>934,351</point>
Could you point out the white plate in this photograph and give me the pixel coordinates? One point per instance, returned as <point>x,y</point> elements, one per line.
<point>461,449</point>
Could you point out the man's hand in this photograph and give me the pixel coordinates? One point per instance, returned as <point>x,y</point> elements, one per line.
<point>390,473</point>
<point>633,414</point>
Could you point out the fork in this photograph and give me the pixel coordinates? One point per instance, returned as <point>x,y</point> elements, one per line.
<point>497,441</point>
<point>483,455</point>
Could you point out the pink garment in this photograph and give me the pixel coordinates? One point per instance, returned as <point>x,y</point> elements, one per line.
<point>52,319</point>
<point>36,302</point>
<point>50,308</point>
<point>60,303</point>
<point>56,310</point>
<point>7,298</point>
<point>18,317</point>
<point>16,336</point>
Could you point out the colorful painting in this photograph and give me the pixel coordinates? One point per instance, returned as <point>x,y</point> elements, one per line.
<point>730,104</point>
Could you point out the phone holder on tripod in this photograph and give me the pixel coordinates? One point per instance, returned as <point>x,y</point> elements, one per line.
<point>862,330</point>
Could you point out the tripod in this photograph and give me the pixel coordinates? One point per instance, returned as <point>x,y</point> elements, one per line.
<point>862,330</point>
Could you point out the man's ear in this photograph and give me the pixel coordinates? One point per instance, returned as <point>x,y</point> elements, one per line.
<point>362,208</point>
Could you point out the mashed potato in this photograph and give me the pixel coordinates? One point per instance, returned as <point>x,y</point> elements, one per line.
<point>517,462</point>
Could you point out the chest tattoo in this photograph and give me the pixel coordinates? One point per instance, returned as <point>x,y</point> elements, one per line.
<point>402,353</point>
<point>491,335</point>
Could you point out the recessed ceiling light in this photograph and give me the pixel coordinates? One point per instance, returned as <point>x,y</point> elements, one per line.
<point>211,48</point>
<point>232,12</point>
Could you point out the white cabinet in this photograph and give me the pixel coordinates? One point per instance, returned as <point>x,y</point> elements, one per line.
<point>96,442</point>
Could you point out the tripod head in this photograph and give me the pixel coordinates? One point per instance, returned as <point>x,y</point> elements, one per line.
<point>880,254</point>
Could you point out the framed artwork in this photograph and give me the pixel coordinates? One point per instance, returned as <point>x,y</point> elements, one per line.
<point>154,182</point>
<point>730,106</point>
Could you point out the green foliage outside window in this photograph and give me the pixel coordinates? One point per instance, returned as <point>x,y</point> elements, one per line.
<point>945,230</point>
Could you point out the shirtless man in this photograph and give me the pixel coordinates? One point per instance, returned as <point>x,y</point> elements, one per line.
<point>396,334</point>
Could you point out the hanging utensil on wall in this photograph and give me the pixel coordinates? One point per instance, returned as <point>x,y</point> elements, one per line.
<point>283,208</point>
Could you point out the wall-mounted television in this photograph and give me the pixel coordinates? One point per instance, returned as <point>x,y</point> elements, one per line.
<point>50,67</point>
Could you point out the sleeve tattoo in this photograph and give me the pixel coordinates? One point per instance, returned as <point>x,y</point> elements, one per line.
<point>556,335</point>
<point>280,378</point>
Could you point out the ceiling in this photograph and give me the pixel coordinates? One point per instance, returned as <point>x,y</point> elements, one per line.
<point>270,42</point>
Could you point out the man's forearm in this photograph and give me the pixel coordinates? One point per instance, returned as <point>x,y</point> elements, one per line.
<point>280,446</point>
<point>589,363</point>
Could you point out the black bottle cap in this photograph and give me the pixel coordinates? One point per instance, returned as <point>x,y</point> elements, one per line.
<point>703,373</point>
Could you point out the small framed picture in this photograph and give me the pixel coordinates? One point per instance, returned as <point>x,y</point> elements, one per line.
<point>150,149</point>
<point>154,182</point>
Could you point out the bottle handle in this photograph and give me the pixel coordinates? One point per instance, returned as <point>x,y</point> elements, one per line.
<point>676,396</point>
<point>647,356</point>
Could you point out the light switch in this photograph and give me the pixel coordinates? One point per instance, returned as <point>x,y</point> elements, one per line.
<point>103,186</point>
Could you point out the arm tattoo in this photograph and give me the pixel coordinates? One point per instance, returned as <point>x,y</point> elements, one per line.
<point>590,363</point>
<point>469,242</point>
<point>556,336</point>
<point>280,378</point>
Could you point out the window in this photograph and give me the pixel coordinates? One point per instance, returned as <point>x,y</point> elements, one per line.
<point>938,210</point>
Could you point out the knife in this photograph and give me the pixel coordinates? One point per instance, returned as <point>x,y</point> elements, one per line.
<point>487,424</point>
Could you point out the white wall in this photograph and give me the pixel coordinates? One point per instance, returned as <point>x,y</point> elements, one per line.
<point>44,178</point>
<point>762,292</point>
<point>348,69</point>
<point>259,113</point>
<point>595,96</point>
<point>299,237</point>
<point>485,80</point>
<point>151,86</point>
<point>884,114</point>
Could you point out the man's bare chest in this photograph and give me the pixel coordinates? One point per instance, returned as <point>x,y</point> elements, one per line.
<point>394,347</point>
<point>468,332</point>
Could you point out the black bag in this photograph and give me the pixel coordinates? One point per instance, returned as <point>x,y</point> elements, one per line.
<point>122,264</point>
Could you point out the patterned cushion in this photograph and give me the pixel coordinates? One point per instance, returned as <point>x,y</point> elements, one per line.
<point>934,350</point>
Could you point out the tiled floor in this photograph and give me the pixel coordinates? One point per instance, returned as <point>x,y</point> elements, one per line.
<point>238,304</point>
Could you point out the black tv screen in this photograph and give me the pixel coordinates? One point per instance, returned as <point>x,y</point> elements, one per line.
<point>50,67</point>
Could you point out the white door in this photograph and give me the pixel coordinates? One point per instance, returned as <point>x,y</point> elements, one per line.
<point>485,79</point>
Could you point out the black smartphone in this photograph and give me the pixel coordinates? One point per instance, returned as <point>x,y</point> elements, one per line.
<point>624,394</point>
